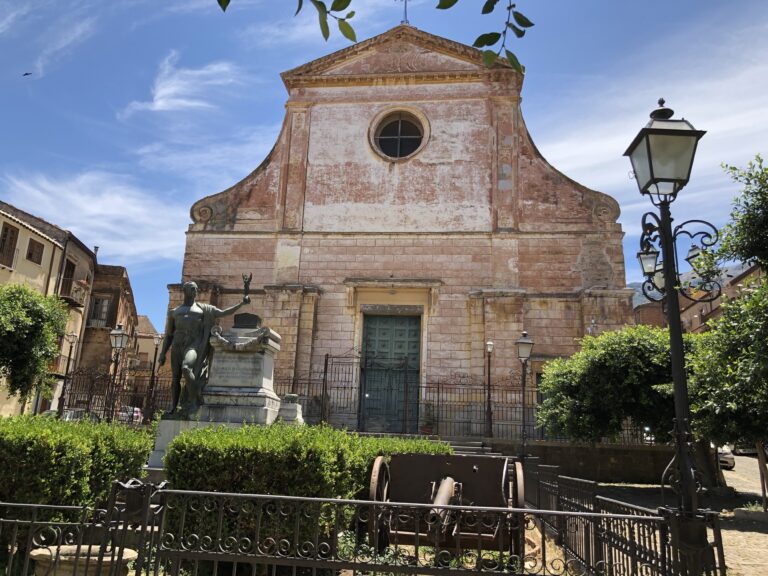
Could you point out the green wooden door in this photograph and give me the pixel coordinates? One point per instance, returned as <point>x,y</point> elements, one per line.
<point>389,392</point>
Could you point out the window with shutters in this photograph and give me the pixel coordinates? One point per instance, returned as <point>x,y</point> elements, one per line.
<point>97,317</point>
<point>9,236</point>
<point>35,251</point>
<point>67,279</point>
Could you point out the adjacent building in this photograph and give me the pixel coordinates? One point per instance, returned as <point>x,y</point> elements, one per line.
<point>111,305</point>
<point>735,281</point>
<point>52,261</point>
<point>148,343</point>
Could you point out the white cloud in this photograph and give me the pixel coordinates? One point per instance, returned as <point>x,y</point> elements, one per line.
<point>9,14</point>
<point>304,30</point>
<point>129,224</point>
<point>178,89</point>
<point>63,41</point>
<point>720,88</point>
<point>210,165</point>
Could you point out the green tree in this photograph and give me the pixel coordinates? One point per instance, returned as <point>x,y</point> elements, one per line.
<point>729,383</point>
<point>515,22</point>
<point>30,327</point>
<point>744,237</point>
<point>615,376</point>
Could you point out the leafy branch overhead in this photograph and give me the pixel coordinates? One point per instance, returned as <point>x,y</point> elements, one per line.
<point>516,22</point>
<point>323,13</point>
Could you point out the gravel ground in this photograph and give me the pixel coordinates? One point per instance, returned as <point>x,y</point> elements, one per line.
<point>745,542</point>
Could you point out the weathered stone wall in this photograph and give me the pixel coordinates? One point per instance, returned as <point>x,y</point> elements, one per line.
<point>475,233</point>
<point>449,275</point>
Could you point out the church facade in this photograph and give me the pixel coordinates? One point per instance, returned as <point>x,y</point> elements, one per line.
<point>403,219</point>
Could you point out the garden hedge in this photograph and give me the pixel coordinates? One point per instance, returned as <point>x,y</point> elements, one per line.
<point>47,461</point>
<point>315,461</point>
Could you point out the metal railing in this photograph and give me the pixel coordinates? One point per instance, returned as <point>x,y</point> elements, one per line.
<point>598,531</point>
<point>133,397</point>
<point>454,407</point>
<point>146,529</point>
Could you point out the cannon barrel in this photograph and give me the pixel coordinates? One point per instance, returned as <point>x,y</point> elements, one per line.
<point>443,496</point>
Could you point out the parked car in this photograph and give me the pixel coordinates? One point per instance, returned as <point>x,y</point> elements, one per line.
<point>130,415</point>
<point>726,458</point>
<point>73,414</point>
<point>745,449</point>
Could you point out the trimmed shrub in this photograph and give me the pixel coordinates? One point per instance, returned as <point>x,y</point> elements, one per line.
<point>46,461</point>
<point>313,461</point>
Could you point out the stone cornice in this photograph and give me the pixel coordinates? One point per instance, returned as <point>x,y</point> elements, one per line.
<point>403,78</point>
<point>393,282</point>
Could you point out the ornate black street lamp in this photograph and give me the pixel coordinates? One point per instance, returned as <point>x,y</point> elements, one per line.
<point>524,347</point>
<point>71,339</point>
<point>662,156</point>
<point>488,411</point>
<point>118,339</point>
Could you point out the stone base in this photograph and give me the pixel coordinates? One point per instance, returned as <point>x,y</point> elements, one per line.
<point>290,410</point>
<point>250,408</point>
<point>261,407</point>
<point>81,560</point>
<point>167,430</point>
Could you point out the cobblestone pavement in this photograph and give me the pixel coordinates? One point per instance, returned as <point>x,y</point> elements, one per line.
<point>745,542</point>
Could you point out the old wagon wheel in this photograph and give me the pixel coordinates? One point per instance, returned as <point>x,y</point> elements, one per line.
<point>378,488</point>
<point>378,491</point>
<point>517,498</point>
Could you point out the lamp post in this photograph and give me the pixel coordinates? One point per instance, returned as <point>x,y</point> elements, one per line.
<point>150,407</point>
<point>524,347</point>
<point>488,412</point>
<point>662,156</point>
<point>118,339</point>
<point>71,338</point>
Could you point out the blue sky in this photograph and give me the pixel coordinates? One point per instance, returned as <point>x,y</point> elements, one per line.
<point>137,108</point>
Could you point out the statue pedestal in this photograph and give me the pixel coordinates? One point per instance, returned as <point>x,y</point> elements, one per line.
<point>240,385</point>
<point>240,388</point>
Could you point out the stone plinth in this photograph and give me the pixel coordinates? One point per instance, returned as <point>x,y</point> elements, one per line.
<point>241,378</point>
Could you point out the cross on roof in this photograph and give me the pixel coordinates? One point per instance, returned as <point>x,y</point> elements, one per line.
<point>405,12</point>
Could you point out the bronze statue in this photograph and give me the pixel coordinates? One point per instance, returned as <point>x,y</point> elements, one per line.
<point>188,328</point>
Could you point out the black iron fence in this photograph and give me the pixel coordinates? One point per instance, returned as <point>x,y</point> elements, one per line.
<point>147,529</point>
<point>131,397</point>
<point>454,406</point>
<point>599,531</point>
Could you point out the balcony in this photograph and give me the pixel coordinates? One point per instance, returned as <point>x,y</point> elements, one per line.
<point>58,366</point>
<point>74,293</point>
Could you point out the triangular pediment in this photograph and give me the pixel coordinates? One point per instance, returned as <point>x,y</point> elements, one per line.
<point>401,50</point>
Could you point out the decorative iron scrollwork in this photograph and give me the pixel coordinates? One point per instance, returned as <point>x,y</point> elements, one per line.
<point>703,286</point>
